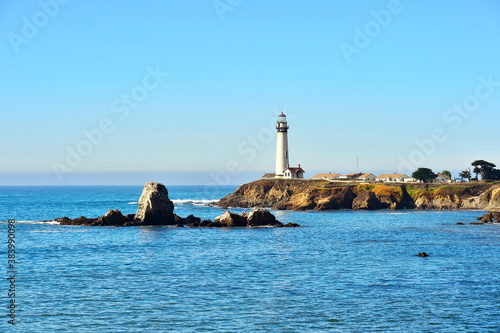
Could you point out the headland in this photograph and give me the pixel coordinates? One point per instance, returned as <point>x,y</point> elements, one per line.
<point>302,194</point>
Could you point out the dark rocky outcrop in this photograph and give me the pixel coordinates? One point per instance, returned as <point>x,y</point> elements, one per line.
<point>111,218</point>
<point>255,218</point>
<point>299,194</point>
<point>229,219</point>
<point>155,208</point>
<point>261,217</point>
<point>490,217</point>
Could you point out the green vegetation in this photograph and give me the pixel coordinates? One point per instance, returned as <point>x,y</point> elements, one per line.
<point>442,190</point>
<point>466,174</point>
<point>425,175</point>
<point>446,173</point>
<point>486,170</point>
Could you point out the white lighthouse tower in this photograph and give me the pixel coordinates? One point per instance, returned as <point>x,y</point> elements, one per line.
<point>282,159</point>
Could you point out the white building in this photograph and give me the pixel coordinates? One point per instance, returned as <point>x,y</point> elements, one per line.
<point>283,169</point>
<point>282,157</point>
<point>441,179</point>
<point>367,177</point>
<point>393,178</point>
<point>297,172</point>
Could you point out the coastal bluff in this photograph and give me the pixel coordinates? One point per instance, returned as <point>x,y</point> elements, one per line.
<point>299,194</point>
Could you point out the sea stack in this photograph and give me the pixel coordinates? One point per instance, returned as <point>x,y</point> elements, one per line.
<point>155,207</point>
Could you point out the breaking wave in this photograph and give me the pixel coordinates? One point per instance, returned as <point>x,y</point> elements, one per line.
<point>193,202</point>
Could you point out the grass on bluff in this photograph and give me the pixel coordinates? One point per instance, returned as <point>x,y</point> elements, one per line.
<point>442,190</point>
<point>380,190</point>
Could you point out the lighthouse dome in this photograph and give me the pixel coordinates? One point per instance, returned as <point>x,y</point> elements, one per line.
<point>282,118</point>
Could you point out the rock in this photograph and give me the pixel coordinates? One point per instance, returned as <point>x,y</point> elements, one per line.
<point>63,220</point>
<point>205,223</point>
<point>229,219</point>
<point>155,208</point>
<point>290,225</point>
<point>366,200</point>
<point>460,223</point>
<point>495,215</point>
<point>490,217</point>
<point>257,217</point>
<point>260,217</point>
<point>82,220</point>
<point>422,254</point>
<point>112,218</point>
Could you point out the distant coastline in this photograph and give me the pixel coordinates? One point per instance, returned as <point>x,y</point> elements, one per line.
<point>299,194</point>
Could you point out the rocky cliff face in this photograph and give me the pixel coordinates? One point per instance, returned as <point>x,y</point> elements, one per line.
<point>323,195</point>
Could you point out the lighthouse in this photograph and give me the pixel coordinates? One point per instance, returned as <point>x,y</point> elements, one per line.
<point>283,168</point>
<point>282,158</point>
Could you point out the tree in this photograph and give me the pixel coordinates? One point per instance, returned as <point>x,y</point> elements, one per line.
<point>425,175</point>
<point>465,174</point>
<point>494,175</point>
<point>486,169</point>
<point>446,173</point>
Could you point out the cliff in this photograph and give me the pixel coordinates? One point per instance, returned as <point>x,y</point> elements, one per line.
<point>295,194</point>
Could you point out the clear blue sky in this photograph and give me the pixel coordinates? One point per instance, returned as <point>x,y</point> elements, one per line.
<point>398,84</point>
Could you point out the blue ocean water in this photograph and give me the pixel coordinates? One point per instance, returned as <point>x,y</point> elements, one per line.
<point>342,271</point>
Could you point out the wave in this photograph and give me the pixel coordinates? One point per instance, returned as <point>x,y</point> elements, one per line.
<point>193,202</point>
<point>186,202</point>
<point>35,222</point>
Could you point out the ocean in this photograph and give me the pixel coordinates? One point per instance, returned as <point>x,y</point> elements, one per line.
<point>341,271</point>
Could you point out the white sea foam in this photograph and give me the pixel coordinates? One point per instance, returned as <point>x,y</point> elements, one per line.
<point>190,202</point>
<point>193,202</point>
<point>37,222</point>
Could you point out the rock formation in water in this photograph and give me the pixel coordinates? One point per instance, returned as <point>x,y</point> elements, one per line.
<point>490,217</point>
<point>155,208</point>
<point>111,218</point>
<point>325,195</point>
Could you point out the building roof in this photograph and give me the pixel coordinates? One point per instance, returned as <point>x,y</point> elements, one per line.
<point>393,175</point>
<point>295,169</point>
<point>366,175</point>
<point>446,176</point>
<point>326,175</point>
